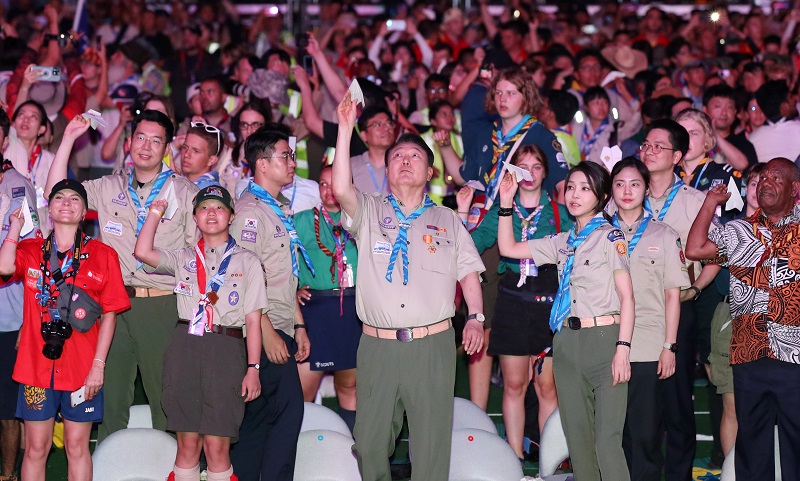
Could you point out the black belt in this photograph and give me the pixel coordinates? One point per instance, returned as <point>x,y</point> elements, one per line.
<point>227,331</point>
<point>349,291</point>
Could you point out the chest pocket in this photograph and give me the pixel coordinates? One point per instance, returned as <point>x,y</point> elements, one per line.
<point>586,271</point>
<point>279,254</point>
<point>653,264</point>
<point>438,256</point>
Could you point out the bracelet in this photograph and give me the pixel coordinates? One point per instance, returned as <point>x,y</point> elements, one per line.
<point>300,326</point>
<point>623,343</point>
<point>505,211</point>
<point>159,214</point>
<point>10,240</point>
<point>463,212</point>
<point>100,360</point>
<point>696,291</point>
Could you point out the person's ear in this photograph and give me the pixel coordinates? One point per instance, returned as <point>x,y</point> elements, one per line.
<point>231,219</point>
<point>677,155</point>
<point>41,131</point>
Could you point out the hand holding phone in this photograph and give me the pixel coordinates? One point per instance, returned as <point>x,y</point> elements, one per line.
<point>396,25</point>
<point>48,74</point>
<point>78,396</point>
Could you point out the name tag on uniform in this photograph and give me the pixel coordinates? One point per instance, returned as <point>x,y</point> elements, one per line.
<point>113,228</point>
<point>183,289</point>
<point>382,248</point>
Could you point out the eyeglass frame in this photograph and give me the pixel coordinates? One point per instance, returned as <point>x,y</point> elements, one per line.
<point>645,146</point>
<point>211,130</point>
<point>380,124</point>
<point>285,157</point>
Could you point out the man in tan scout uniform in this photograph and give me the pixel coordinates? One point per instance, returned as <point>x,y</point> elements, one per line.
<point>268,436</point>
<point>122,202</point>
<point>411,254</point>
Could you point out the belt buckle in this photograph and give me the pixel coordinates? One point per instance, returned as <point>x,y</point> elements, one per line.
<point>405,334</point>
<point>574,323</point>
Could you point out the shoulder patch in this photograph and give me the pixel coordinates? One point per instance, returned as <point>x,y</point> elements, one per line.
<point>615,235</point>
<point>622,248</point>
<point>17,192</point>
<point>737,174</point>
<point>556,145</point>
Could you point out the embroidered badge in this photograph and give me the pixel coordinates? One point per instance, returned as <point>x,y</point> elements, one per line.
<point>34,273</point>
<point>184,288</point>
<point>191,267</point>
<point>247,236</point>
<point>113,228</point>
<point>233,298</point>
<point>250,223</point>
<point>615,235</point>
<point>622,249</point>
<point>96,276</point>
<point>382,248</point>
<point>387,223</point>
<point>278,232</point>
<point>652,249</point>
<point>17,192</point>
<point>120,200</point>
<point>80,313</point>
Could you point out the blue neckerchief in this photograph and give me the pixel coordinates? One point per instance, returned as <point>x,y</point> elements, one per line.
<point>296,243</point>
<point>401,244</point>
<point>675,188</point>
<point>46,296</point>
<point>648,216</point>
<point>491,187</point>
<point>207,179</point>
<point>562,304</point>
<point>142,210</point>
<point>527,266</point>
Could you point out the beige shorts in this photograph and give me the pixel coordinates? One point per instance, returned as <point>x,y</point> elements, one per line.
<point>721,329</point>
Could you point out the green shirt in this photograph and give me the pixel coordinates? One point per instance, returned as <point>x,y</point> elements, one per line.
<point>304,223</point>
<point>485,235</point>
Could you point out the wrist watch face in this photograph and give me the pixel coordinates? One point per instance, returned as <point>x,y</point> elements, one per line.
<point>478,317</point>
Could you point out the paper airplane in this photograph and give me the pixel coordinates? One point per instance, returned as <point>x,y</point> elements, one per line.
<point>172,200</point>
<point>356,95</point>
<point>612,76</point>
<point>27,226</point>
<point>521,174</point>
<point>475,185</point>
<point>735,201</point>
<point>610,156</point>
<point>94,118</point>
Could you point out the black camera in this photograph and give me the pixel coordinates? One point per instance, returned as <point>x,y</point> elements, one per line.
<point>54,333</point>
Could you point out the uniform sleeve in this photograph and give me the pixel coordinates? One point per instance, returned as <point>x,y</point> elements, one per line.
<point>353,224</point>
<point>616,250</point>
<point>114,298</point>
<point>485,235</point>
<point>190,233</point>
<point>469,260</point>
<point>544,250</point>
<point>93,191</point>
<point>255,295</point>
<point>21,264</point>
<point>170,260</point>
<point>253,237</point>
<point>676,273</point>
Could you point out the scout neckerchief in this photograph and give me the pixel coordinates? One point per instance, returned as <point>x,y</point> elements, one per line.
<point>562,303</point>
<point>588,140</point>
<point>33,162</point>
<point>647,217</point>
<point>667,203</point>
<point>526,266</point>
<point>204,317</point>
<point>401,244</point>
<point>265,197</point>
<point>338,257</point>
<point>142,209</point>
<point>53,279</point>
<point>501,144</point>
<point>685,175</point>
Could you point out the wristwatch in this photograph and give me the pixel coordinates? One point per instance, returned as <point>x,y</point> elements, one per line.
<point>673,347</point>
<point>256,366</point>
<point>478,316</point>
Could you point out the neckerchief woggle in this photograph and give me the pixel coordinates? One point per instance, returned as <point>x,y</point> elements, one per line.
<point>562,304</point>
<point>502,144</point>
<point>526,266</point>
<point>401,243</point>
<point>204,316</point>
<point>265,197</point>
<point>647,217</point>
<point>667,203</point>
<point>142,210</point>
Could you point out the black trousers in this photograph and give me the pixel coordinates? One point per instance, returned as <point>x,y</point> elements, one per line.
<point>679,422</point>
<point>267,444</point>
<point>766,393</point>
<point>641,438</point>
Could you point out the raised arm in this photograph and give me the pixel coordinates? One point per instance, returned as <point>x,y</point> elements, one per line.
<point>343,188</point>
<point>145,250</point>
<point>8,249</point>
<point>733,156</point>
<point>425,50</point>
<point>452,162</point>
<point>698,245</point>
<point>508,245</point>
<point>336,87</point>
<point>58,170</point>
<point>488,20</point>
<point>309,112</point>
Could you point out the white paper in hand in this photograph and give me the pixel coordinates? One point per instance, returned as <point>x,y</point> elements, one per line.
<point>171,198</point>
<point>610,156</point>
<point>356,95</point>
<point>735,201</point>
<point>94,118</point>
<point>475,185</point>
<point>521,174</point>
<point>612,76</point>
<point>27,226</point>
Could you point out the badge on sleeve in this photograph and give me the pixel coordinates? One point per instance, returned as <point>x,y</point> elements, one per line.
<point>184,289</point>
<point>615,235</point>
<point>17,192</point>
<point>622,248</point>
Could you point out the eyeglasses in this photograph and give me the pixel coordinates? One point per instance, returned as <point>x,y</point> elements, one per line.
<point>286,156</point>
<point>439,90</point>
<point>154,141</point>
<point>250,125</point>
<point>211,130</point>
<point>389,124</point>
<point>656,148</point>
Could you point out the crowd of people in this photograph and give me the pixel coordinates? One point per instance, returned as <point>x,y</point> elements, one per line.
<point>603,204</point>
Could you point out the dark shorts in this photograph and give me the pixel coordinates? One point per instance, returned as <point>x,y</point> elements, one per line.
<point>41,404</point>
<point>202,382</point>
<point>9,388</point>
<point>334,338</point>
<point>522,314</point>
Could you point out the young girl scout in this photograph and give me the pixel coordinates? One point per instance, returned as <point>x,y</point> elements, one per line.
<point>592,317</point>
<point>210,368</point>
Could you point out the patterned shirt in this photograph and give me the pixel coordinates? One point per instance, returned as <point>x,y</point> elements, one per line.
<point>764,260</point>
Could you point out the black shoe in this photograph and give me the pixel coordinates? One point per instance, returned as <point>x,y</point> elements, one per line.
<point>400,471</point>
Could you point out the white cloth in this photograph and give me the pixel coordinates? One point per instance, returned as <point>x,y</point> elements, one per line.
<point>778,139</point>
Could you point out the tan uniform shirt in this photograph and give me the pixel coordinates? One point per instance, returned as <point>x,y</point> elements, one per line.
<point>257,228</point>
<point>242,293</point>
<point>433,268</point>
<point>117,216</point>
<point>366,180</point>
<point>657,263</point>
<point>592,288</point>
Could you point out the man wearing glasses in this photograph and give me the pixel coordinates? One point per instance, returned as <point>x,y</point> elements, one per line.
<point>122,202</point>
<point>200,154</point>
<point>268,435</point>
<point>435,91</point>
<point>677,205</point>
<point>378,132</point>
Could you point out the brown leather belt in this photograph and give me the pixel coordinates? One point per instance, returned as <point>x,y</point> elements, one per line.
<point>227,331</point>
<point>576,323</point>
<point>145,292</point>
<point>407,334</point>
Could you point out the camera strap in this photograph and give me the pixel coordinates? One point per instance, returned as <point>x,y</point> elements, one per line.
<point>57,277</point>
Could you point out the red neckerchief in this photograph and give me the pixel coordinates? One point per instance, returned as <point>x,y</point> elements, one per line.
<point>34,159</point>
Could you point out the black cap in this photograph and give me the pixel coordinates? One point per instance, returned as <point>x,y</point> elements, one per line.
<point>213,192</point>
<point>70,184</point>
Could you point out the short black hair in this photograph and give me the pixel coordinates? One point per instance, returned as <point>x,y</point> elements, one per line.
<point>517,26</point>
<point>409,138</point>
<point>599,181</point>
<point>158,117</point>
<point>220,81</point>
<point>721,90</point>
<point>586,53</point>
<point>282,54</point>
<point>435,107</point>
<point>594,93</point>
<point>5,123</point>
<point>37,105</point>
<point>564,105</point>
<point>631,162</point>
<point>261,144</point>
<point>753,67</point>
<point>370,112</point>
<point>678,136</point>
<point>435,77</point>
<point>675,45</point>
<point>770,96</point>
